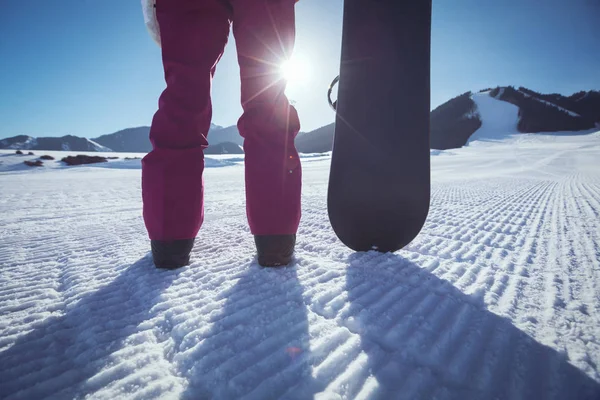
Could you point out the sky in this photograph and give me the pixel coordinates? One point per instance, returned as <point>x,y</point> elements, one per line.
<point>89,67</point>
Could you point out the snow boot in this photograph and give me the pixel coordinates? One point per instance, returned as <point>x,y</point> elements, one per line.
<point>171,254</point>
<point>274,250</point>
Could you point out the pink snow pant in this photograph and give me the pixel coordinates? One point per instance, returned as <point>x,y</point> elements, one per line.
<point>193,35</point>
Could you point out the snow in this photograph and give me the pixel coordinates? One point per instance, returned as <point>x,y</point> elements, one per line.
<point>499,118</point>
<point>471,114</point>
<point>585,95</point>
<point>497,298</point>
<point>98,147</point>
<point>29,143</point>
<point>9,162</point>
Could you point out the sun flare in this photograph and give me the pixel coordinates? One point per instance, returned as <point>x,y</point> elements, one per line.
<point>295,70</point>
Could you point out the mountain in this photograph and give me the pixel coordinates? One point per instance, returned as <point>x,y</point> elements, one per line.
<point>318,141</point>
<point>545,113</point>
<point>131,140</point>
<point>20,142</point>
<point>135,140</point>
<point>586,104</point>
<point>458,121</point>
<point>224,148</point>
<point>228,134</point>
<point>453,124</point>
<point>67,143</point>
<point>499,119</point>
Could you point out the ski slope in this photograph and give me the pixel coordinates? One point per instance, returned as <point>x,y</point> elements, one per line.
<point>497,298</point>
<point>498,118</point>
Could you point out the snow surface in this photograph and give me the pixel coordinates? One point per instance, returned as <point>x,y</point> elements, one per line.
<point>497,298</point>
<point>499,118</point>
<point>9,162</point>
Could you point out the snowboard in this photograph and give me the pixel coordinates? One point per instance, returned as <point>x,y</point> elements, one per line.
<point>379,187</point>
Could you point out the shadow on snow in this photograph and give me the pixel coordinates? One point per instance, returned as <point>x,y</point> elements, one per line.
<point>257,346</point>
<point>61,354</point>
<point>424,339</point>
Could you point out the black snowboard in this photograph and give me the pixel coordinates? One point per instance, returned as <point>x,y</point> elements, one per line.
<point>379,187</point>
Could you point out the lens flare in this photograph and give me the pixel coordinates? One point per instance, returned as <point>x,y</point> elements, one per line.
<point>294,70</point>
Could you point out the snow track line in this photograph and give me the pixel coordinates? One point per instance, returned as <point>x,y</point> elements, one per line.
<point>589,250</point>
<point>590,193</point>
<point>490,212</point>
<point>516,282</point>
<point>480,253</point>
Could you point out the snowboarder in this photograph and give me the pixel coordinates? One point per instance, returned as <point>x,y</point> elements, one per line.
<point>193,35</point>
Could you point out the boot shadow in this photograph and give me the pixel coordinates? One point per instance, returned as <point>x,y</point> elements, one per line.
<point>60,355</point>
<point>424,339</point>
<point>257,344</point>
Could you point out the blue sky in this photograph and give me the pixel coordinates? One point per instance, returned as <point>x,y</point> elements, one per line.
<point>88,67</point>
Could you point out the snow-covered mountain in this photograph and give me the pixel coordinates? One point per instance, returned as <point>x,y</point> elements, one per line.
<point>457,121</point>
<point>224,148</point>
<point>136,139</point>
<point>131,140</point>
<point>452,124</point>
<point>127,140</point>
<point>318,141</point>
<point>549,113</point>
<point>66,143</point>
<point>497,119</point>
<point>229,134</point>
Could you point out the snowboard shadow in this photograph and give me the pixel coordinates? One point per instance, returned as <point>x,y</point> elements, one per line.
<point>257,345</point>
<point>424,339</point>
<point>60,355</point>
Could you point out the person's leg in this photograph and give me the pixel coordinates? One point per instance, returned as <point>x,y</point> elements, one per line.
<point>264,33</point>
<point>193,36</point>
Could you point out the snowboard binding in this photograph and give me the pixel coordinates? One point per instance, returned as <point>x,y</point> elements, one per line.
<point>333,105</point>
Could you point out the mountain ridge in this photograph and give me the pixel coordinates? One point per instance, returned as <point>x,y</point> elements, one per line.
<point>452,124</point>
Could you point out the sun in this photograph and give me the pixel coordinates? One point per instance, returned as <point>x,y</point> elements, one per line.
<point>295,70</point>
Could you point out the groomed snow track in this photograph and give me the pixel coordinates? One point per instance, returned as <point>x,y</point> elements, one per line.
<point>497,298</point>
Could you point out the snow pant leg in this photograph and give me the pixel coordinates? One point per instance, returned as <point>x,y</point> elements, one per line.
<point>193,35</point>
<point>264,33</point>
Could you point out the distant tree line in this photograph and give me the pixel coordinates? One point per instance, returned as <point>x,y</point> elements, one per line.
<point>453,122</point>
<point>586,104</point>
<point>537,116</point>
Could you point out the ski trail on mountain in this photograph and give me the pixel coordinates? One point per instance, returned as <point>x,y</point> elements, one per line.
<point>498,118</point>
<point>495,298</point>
